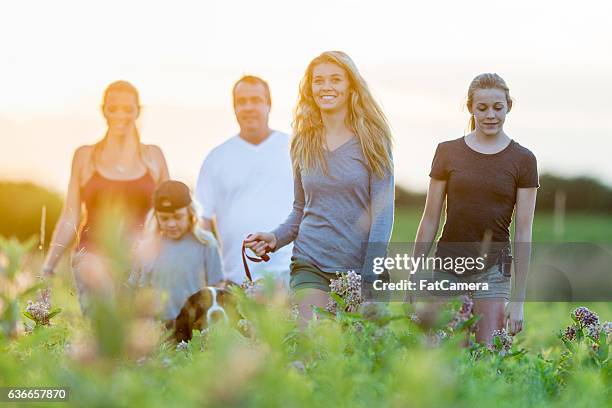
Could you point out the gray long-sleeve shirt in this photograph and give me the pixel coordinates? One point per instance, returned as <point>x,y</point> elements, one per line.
<point>181,268</point>
<point>335,216</point>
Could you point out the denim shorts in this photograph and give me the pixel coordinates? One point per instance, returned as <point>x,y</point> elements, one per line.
<point>489,284</point>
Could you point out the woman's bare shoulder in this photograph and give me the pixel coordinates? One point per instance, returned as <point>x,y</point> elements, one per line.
<point>83,154</point>
<point>81,162</point>
<point>153,152</point>
<point>83,151</point>
<point>155,160</point>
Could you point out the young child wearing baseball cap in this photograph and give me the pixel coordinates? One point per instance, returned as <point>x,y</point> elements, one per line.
<point>176,256</point>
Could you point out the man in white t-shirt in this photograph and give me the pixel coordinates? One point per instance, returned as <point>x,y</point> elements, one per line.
<point>246,183</point>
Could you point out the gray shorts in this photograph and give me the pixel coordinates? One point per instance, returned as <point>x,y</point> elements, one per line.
<point>489,284</point>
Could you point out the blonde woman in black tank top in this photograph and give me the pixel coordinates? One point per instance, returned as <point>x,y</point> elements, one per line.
<point>119,165</point>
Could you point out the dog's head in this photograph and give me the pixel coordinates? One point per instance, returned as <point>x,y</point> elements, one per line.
<point>200,310</point>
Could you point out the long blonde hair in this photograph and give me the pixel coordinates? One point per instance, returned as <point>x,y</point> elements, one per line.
<point>365,118</point>
<point>486,81</point>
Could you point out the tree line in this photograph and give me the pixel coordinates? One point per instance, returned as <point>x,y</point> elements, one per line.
<point>21,203</point>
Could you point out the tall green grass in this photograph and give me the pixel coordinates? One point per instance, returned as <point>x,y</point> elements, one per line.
<point>346,361</point>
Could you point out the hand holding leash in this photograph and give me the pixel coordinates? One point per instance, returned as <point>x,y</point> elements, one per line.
<point>260,243</point>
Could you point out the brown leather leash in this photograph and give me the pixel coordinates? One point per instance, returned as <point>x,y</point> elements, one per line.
<point>264,258</point>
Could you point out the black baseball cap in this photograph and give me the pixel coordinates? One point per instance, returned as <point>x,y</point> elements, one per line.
<point>170,196</point>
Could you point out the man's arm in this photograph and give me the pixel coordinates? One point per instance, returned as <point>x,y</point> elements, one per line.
<point>210,225</point>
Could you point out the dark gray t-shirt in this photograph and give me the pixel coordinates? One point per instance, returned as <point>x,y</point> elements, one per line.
<point>480,195</point>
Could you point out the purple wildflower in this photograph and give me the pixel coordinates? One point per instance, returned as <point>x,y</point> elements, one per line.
<point>348,287</point>
<point>463,314</point>
<point>607,328</point>
<point>331,306</point>
<point>250,288</point>
<point>39,312</point>
<point>467,306</point>
<point>585,317</point>
<point>569,333</point>
<point>505,340</point>
<point>593,331</point>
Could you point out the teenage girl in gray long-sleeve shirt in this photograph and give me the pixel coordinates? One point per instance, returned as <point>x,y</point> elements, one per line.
<point>344,188</point>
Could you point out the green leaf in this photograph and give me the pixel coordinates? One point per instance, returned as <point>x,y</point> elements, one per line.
<point>568,345</point>
<point>384,320</point>
<point>602,338</point>
<point>338,300</point>
<point>351,315</point>
<point>468,323</point>
<point>517,353</point>
<point>55,312</point>
<point>323,312</point>
<point>29,315</point>
<point>602,353</point>
<point>497,342</point>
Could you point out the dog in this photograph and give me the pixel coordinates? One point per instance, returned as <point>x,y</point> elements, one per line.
<point>200,310</point>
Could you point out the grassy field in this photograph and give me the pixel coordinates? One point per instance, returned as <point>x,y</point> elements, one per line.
<point>576,227</point>
<point>116,359</point>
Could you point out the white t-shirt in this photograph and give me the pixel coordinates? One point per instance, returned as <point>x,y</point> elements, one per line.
<point>248,188</point>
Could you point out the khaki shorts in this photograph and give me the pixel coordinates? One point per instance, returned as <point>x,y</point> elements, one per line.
<point>497,285</point>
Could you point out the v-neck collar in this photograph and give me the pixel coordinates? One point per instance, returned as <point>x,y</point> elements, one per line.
<point>341,146</point>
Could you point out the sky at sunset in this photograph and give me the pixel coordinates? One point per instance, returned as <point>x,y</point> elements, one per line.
<point>57,58</point>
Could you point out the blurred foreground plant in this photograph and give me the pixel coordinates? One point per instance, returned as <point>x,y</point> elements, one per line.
<point>15,283</point>
<point>41,312</point>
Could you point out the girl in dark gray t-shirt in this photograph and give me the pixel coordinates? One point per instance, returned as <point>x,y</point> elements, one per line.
<point>485,178</point>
